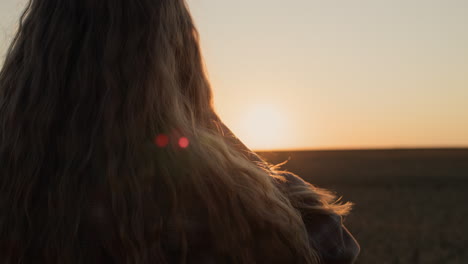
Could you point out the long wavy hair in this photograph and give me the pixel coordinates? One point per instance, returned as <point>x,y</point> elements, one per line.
<point>109,140</point>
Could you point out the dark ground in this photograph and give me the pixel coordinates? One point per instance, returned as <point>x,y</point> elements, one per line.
<point>410,205</point>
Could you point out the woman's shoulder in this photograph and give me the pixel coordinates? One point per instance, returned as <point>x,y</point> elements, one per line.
<point>322,218</point>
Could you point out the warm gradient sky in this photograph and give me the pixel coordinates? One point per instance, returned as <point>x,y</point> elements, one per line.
<point>332,74</point>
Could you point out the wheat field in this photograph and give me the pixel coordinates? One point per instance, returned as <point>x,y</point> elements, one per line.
<point>410,205</point>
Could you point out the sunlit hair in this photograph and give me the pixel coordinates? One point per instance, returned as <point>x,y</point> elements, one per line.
<point>85,88</point>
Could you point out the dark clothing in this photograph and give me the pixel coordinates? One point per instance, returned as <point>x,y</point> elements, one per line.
<point>327,234</point>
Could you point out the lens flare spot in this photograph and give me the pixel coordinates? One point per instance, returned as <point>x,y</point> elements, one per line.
<point>162,140</point>
<point>184,142</point>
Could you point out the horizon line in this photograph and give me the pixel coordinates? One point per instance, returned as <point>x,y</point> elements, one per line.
<point>363,148</point>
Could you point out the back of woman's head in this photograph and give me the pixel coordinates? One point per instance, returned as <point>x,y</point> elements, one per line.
<point>85,88</point>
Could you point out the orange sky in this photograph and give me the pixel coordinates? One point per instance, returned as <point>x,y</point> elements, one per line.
<point>339,74</point>
<point>332,74</point>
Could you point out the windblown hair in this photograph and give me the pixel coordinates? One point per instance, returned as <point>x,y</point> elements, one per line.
<point>85,88</point>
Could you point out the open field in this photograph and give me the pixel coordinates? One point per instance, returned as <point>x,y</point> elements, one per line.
<point>411,205</point>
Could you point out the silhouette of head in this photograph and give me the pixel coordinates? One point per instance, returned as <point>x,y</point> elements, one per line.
<point>86,87</point>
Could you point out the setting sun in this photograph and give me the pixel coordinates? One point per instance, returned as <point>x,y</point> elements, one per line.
<point>262,126</point>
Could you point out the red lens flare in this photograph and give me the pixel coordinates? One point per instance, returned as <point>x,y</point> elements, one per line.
<point>184,142</point>
<point>162,140</point>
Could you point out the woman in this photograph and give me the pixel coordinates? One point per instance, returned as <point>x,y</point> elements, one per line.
<point>111,151</point>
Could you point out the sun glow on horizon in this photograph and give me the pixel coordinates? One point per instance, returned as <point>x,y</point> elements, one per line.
<point>262,126</point>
